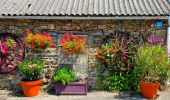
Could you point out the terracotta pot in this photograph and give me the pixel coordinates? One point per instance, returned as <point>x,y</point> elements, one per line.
<point>31,88</point>
<point>149,90</point>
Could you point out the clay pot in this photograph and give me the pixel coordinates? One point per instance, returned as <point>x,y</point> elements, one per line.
<point>149,90</point>
<point>31,88</point>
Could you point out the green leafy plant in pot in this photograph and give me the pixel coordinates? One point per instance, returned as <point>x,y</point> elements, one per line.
<point>66,82</point>
<point>65,75</point>
<point>151,66</point>
<point>32,70</point>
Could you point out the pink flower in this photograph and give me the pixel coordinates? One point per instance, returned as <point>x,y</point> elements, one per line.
<point>6,38</point>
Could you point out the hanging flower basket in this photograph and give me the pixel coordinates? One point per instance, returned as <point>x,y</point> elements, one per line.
<point>73,44</point>
<point>38,39</point>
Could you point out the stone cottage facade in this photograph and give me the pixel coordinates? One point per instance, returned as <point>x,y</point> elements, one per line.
<point>94,19</point>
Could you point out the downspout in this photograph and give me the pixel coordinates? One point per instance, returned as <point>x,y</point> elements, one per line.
<point>168,45</point>
<point>168,37</point>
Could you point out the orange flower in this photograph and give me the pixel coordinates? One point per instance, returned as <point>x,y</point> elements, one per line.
<point>38,39</point>
<point>73,43</point>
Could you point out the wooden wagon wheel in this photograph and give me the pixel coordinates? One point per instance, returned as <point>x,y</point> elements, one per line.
<point>125,49</point>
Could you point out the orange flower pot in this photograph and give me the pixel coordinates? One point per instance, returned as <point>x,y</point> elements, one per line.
<point>31,88</point>
<point>149,90</point>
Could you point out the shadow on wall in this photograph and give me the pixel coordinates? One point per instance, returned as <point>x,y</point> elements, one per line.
<point>10,84</point>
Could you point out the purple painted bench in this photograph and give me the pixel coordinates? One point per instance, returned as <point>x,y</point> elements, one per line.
<point>79,88</point>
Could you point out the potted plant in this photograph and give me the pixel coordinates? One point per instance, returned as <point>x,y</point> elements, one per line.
<point>32,70</point>
<point>152,69</point>
<point>38,39</point>
<point>66,84</point>
<point>73,44</point>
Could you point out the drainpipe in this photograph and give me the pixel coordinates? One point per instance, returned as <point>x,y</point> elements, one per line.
<point>168,45</point>
<point>168,37</point>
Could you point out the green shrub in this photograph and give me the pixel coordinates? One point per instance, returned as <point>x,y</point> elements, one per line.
<point>102,81</point>
<point>64,75</point>
<point>32,69</point>
<point>152,63</point>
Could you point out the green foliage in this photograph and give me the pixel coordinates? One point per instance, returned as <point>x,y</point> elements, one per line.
<point>118,57</point>
<point>32,69</point>
<point>118,81</point>
<point>118,53</point>
<point>64,75</point>
<point>114,81</point>
<point>102,83</point>
<point>10,42</point>
<point>152,63</point>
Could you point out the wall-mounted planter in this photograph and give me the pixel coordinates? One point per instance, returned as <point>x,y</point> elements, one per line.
<point>79,88</point>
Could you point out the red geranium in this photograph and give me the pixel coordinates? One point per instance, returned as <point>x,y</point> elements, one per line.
<point>38,39</point>
<point>105,53</point>
<point>73,43</point>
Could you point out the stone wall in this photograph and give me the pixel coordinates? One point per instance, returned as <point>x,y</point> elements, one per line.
<point>106,26</point>
<point>95,30</point>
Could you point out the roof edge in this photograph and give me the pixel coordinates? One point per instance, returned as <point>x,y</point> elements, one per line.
<point>86,17</point>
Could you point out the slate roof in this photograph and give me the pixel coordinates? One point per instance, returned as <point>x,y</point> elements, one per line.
<point>84,8</point>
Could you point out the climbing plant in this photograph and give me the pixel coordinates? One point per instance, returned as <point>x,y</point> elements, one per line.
<point>117,54</point>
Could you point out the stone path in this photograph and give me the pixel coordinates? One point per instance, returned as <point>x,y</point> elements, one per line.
<point>98,95</point>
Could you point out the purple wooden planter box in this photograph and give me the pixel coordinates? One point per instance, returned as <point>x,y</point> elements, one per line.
<point>79,88</point>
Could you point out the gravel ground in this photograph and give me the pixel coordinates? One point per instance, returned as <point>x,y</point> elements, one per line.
<point>97,95</point>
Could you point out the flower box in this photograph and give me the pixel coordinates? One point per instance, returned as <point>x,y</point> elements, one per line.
<point>79,88</point>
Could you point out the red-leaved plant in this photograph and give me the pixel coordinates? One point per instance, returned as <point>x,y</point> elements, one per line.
<point>73,43</point>
<point>38,39</point>
<point>4,48</point>
<point>118,52</point>
<point>9,43</point>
